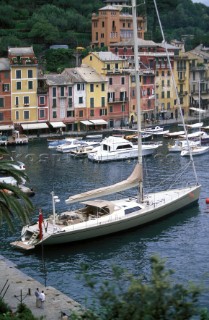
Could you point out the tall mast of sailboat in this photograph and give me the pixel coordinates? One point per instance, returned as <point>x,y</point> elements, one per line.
<point>137,79</point>
<point>176,91</point>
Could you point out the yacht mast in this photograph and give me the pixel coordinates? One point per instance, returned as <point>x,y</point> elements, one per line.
<point>137,80</point>
<point>176,92</point>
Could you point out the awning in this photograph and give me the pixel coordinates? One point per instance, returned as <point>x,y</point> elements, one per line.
<point>87,123</point>
<point>205,97</point>
<point>7,127</point>
<point>31,126</point>
<point>197,110</point>
<point>99,122</point>
<point>57,124</point>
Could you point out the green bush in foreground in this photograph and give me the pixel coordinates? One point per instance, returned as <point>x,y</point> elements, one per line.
<point>22,313</point>
<point>132,298</point>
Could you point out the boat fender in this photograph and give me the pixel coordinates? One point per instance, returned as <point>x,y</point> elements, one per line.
<point>207,200</point>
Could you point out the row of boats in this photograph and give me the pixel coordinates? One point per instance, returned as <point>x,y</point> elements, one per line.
<point>126,147</point>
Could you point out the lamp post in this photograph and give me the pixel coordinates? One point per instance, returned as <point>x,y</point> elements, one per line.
<point>55,199</point>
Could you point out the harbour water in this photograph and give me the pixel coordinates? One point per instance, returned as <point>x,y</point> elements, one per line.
<point>181,239</point>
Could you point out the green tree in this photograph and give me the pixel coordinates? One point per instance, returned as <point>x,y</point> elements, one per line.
<point>128,297</point>
<point>13,202</point>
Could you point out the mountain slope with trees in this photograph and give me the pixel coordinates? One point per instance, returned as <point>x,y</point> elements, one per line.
<point>41,23</point>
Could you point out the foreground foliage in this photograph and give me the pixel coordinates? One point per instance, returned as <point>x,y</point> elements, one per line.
<point>13,202</point>
<point>132,298</point>
<point>22,313</point>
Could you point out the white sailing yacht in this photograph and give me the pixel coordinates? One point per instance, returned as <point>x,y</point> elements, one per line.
<point>99,217</point>
<point>197,149</point>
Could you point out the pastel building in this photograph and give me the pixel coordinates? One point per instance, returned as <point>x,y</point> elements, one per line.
<point>5,96</point>
<point>113,24</point>
<point>24,74</point>
<point>113,68</point>
<point>90,98</point>
<point>61,111</point>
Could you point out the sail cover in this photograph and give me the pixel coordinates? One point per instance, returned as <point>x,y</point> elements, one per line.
<point>132,181</point>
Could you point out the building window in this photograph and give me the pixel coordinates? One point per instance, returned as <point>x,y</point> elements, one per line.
<point>162,95</point>
<point>80,86</point>
<point>54,103</point>
<point>1,102</point>
<point>168,83</point>
<point>17,101</point>
<point>69,91</point>
<point>110,81</point>
<point>91,87</point>
<point>122,80</point>
<point>70,102</point>
<point>110,108</point>
<point>42,113</point>
<point>54,114</point>
<point>90,58</point>
<point>103,24</point>
<point>163,73</point>
<point>168,106</point>
<point>41,100</point>
<point>30,85</point>
<point>62,91</point>
<point>80,100</point>
<point>70,114</point>
<point>17,115</point>
<point>103,101</point>
<point>91,113</point>
<point>81,114</point>
<point>18,74</point>
<point>103,87</point>
<point>18,86</point>
<point>1,116</point>
<point>30,73</point>
<point>5,87</point>
<point>168,94</point>
<point>54,92</point>
<point>6,75</point>
<point>26,115</point>
<point>26,101</point>
<point>103,112</point>
<point>122,108</point>
<point>91,102</point>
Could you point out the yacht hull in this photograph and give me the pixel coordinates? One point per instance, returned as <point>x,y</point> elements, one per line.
<point>156,206</point>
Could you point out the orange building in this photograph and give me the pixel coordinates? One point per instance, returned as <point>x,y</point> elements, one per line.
<point>114,24</point>
<point>5,94</point>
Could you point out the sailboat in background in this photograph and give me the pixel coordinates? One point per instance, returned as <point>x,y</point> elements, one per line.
<point>100,217</point>
<point>197,149</point>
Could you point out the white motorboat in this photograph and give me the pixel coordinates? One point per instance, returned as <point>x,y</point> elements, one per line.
<point>174,134</point>
<point>100,217</point>
<point>204,138</point>
<point>72,144</point>
<point>117,148</point>
<point>160,133</point>
<point>82,152</point>
<point>196,151</point>
<point>180,145</point>
<point>154,130</point>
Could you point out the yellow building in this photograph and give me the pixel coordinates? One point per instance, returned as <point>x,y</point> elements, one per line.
<point>24,66</point>
<point>182,79</point>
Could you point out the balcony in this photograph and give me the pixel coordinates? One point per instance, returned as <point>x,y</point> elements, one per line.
<point>117,100</point>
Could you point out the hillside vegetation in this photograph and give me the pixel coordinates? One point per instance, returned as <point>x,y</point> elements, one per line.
<point>41,23</point>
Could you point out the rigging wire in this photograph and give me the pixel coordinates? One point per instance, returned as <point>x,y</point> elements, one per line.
<point>176,91</point>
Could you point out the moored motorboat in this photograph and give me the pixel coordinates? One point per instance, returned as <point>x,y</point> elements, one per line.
<point>117,148</point>
<point>180,144</point>
<point>196,151</point>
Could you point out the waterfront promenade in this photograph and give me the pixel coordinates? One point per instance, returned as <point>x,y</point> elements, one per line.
<point>13,283</point>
